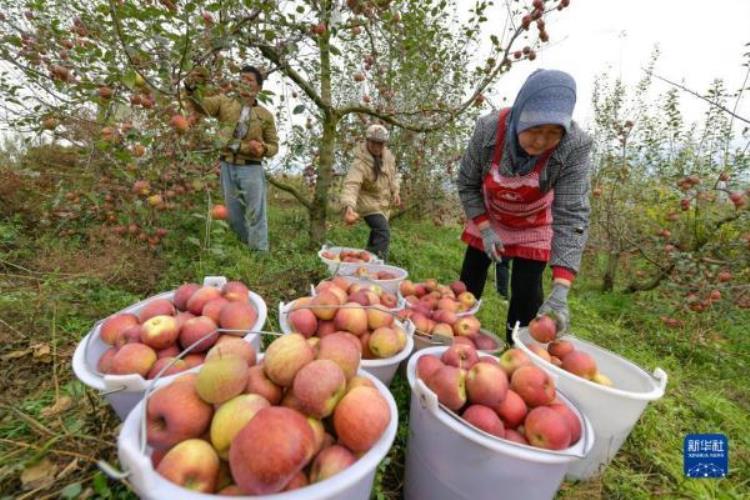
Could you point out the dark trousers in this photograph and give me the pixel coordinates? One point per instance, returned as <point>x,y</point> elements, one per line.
<point>502,277</point>
<point>526,292</point>
<point>380,235</point>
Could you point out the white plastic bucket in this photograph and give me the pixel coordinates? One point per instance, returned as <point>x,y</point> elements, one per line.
<point>354,483</point>
<point>403,304</point>
<point>124,391</point>
<point>447,459</point>
<point>383,369</point>
<point>335,266</point>
<point>613,411</point>
<point>390,285</point>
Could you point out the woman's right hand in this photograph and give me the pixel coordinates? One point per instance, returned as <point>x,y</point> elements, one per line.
<point>350,216</point>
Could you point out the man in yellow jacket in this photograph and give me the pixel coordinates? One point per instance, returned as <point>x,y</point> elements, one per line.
<point>248,133</point>
<point>371,188</point>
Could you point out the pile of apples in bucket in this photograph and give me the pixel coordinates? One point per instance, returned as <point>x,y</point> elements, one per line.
<point>563,353</point>
<point>299,417</point>
<point>359,312</point>
<point>345,255</point>
<point>145,342</point>
<point>382,275</point>
<point>510,399</point>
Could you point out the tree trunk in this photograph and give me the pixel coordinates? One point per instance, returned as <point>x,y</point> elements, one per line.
<point>608,283</point>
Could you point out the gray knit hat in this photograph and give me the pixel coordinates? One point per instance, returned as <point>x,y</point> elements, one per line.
<point>377,133</point>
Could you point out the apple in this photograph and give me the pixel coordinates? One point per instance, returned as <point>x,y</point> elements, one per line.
<point>580,363</point>
<point>602,379</point>
<point>512,359</point>
<point>449,385</point>
<point>221,378</point>
<point>285,356</point>
<point>360,418</point>
<point>238,316</point>
<point>319,386</point>
<point>427,365</point>
<point>235,291</point>
<point>512,410</point>
<point>515,436</point>
<point>485,343</point>
<point>129,336</point>
<point>384,342</point>
<point>485,419</point>
<point>574,424</point>
<point>460,356</point>
<point>378,316</point>
<point>159,332</point>
<point>213,308</point>
<point>458,287</point>
<point>351,318</point>
<point>341,350</point>
<point>467,326</point>
<point>200,298</point>
<point>486,384</point>
<point>389,300</point>
<point>304,321</point>
<point>546,428</point>
<point>533,384</point>
<point>359,381</point>
<point>330,461</point>
<point>467,299</point>
<point>105,361</point>
<point>193,360</point>
<point>407,287</point>
<point>181,317</point>
<point>543,329</point>
<point>258,383</point>
<point>178,366</point>
<point>175,413</point>
<point>271,450</point>
<point>560,348</point>
<point>170,352</point>
<point>297,482</point>
<point>231,417</point>
<point>325,305</point>
<point>540,351</point>
<point>201,329</point>
<point>133,358</point>
<point>232,346</point>
<point>156,307</point>
<point>115,325</point>
<point>192,464</point>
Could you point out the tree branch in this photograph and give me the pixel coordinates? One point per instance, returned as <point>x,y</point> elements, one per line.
<point>289,189</point>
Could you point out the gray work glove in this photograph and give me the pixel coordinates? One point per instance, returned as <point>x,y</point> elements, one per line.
<point>493,246</point>
<point>556,306</point>
<point>234,147</point>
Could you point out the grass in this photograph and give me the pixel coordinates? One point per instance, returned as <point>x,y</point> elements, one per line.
<point>52,290</point>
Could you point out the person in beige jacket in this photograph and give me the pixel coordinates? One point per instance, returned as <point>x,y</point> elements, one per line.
<point>371,188</point>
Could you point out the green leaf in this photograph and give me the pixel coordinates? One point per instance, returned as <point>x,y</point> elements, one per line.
<point>299,108</point>
<point>71,490</point>
<point>100,485</point>
<point>193,240</point>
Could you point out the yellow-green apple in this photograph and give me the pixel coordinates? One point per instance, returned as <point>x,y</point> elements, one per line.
<point>200,298</point>
<point>159,332</point>
<point>183,294</point>
<point>533,384</point>
<point>540,351</point>
<point>175,413</point>
<point>192,464</point>
<point>115,325</point>
<point>178,366</point>
<point>449,385</point>
<point>574,424</point>
<point>284,358</point>
<point>105,361</point>
<point>303,321</point>
<point>512,409</point>
<point>543,329</point>
<point>468,326</point>
<point>461,356</point>
<point>156,307</point>
<point>515,436</point>
<point>341,350</point>
<point>580,363</point>
<point>270,450</point>
<point>560,348</point>
<point>546,428</point>
<point>221,378</point>
<point>384,342</point>
<point>351,318</point>
<point>318,386</point>
<point>330,461</point>
<point>235,291</point>
<point>467,299</point>
<point>360,418</point>
<point>213,307</point>
<point>258,383</point>
<point>238,316</point>
<point>201,329</point>
<point>512,359</point>
<point>232,346</point>
<point>231,417</point>
<point>378,316</point>
<point>458,287</point>
<point>602,379</point>
<point>325,305</point>
<point>427,365</point>
<point>486,384</point>
<point>133,358</point>
<point>484,418</point>
<point>401,334</point>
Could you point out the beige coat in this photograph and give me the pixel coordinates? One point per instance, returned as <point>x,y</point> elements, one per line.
<point>365,194</point>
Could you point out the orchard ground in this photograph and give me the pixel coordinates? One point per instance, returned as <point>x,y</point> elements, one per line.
<point>52,289</point>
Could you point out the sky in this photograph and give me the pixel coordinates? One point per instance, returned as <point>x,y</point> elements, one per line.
<point>699,42</point>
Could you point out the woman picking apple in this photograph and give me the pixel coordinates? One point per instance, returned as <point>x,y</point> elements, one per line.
<point>524,184</point>
<point>371,188</point>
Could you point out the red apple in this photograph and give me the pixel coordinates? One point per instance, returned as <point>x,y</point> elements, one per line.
<point>116,324</point>
<point>195,329</point>
<point>236,291</point>
<point>319,386</point>
<point>175,413</point>
<point>486,384</point>
<point>546,428</point>
<point>449,385</point>
<point>156,307</point>
<point>512,410</point>
<point>543,329</point>
<point>192,464</point>
<point>460,356</point>
<point>360,418</point>
<point>533,384</point>
<point>133,359</point>
<point>580,363</point>
<point>485,419</point>
<point>512,359</point>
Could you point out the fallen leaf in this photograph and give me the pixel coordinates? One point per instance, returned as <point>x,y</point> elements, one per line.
<point>42,352</point>
<point>15,354</point>
<point>62,404</point>
<point>38,475</point>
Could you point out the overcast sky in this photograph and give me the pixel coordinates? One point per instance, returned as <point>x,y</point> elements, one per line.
<point>699,41</point>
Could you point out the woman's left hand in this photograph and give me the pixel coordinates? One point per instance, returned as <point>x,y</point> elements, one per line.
<point>556,306</point>
<point>397,201</point>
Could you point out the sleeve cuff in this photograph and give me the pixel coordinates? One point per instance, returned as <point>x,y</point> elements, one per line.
<point>480,218</point>
<point>564,273</point>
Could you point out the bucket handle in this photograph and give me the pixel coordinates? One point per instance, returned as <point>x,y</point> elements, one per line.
<point>112,471</point>
<point>215,281</point>
<point>661,378</point>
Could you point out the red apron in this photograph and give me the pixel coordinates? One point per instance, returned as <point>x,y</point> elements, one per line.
<point>518,211</point>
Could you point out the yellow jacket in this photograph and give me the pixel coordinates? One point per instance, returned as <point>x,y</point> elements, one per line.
<point>362,191</point>
<point>260,125</point>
